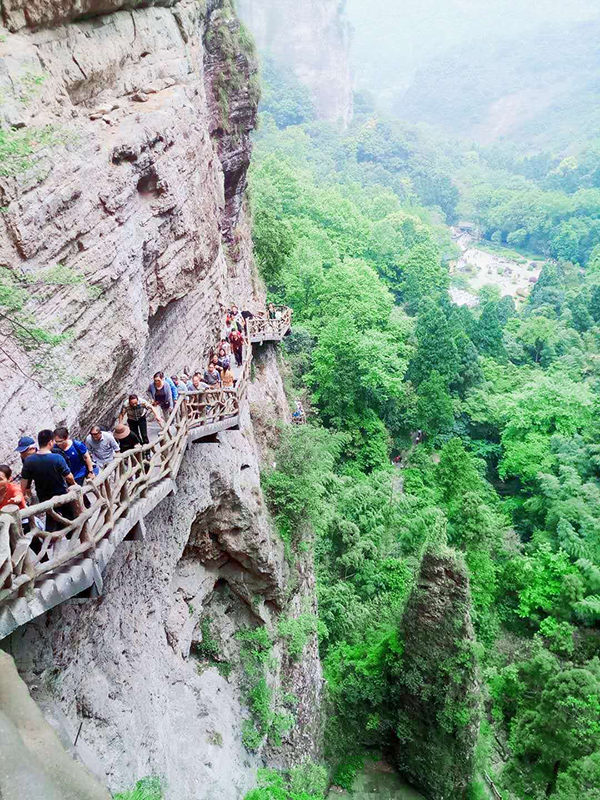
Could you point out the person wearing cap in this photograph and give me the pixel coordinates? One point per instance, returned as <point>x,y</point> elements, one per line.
<point>102,446</point>
<point>26,447</point>
<point>126,438</point>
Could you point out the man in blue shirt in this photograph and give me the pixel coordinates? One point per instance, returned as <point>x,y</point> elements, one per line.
<point>51,475</point>
<point>75,454</point>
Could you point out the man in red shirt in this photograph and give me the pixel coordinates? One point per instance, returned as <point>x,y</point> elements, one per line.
<point>237,345</point>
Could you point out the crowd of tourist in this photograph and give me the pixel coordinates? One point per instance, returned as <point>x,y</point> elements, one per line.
<point>56,462</point>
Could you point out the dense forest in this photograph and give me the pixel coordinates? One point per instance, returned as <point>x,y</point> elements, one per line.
<point>351,230</point>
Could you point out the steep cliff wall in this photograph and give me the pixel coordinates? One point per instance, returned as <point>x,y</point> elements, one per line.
<point>124,233</point>
<point>313,38</point>
<point>127,188</point>
<point>124,665</point>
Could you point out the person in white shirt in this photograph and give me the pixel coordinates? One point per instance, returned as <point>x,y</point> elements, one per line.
<point>102,446</point>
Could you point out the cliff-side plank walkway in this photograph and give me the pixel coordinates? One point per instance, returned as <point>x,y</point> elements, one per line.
<point>41,569</point>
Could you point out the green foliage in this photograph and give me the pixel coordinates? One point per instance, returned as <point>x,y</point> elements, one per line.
<point>208,648</point>
<point>21,149</point>
<point>434,412</point>
<point>436,349</point>
<point>268,718</point>
<point>251,737</point>
<point>296,632</point>
<point>564,728</point>
<point>228,40</point>
<point>296,488</point>
<point>305,782</point>
<point>284,97</point>
<point>508,474</point>
<point>145,789</point>
<point>580,780</point>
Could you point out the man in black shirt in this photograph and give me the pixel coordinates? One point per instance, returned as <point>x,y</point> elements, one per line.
<point>51,475</point>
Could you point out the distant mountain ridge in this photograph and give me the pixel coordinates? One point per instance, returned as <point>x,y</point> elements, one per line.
<point>544,90</point>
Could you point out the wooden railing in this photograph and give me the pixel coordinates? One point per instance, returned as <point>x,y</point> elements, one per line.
<point>262,328</point>
<point>115,498</point>
<point>99,505</point>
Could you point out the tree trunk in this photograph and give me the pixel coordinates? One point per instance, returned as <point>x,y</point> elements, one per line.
<point>552,785</point>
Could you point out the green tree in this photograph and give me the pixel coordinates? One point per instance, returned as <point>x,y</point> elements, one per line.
<point>563,729</point>
<point>435,411</point>
<point>283,96</point>
<point>488,333</point>
<point>423,273</point>
<point>352,289</point>
<point>435,349</point>
<point>469,372</point>
<point>273,241</point>
<point>537,333</point>
<point>581,781</point>
<point>305,782</point>
<point>530,416</point>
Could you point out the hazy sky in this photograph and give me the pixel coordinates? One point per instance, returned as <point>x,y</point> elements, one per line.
<point>394,37</point>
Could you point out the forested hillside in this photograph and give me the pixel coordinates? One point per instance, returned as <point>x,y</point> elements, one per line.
<point>349,231</point>
<point>392,41</point>
<point>539,90</point>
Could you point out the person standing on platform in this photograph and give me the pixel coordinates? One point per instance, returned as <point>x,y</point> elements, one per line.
<point>136,411</point>
<point>102,446</point>
<point>52,477</point>
<point>75,454</point>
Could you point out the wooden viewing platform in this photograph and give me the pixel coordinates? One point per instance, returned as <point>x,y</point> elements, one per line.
<point>41,569</point>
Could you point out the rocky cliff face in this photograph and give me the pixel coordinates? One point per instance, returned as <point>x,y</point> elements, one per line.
<point>313,38</point>
<point>124,233</point>
<point>125,666</point>
<point>439,725</point>
<point>123,220</point>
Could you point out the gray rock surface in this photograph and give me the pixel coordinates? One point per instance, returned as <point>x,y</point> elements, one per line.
<point>138,202</point>
<point>123,665</point>
<point>133,180</point>
<point>34,764</point>
<point>313,38</point>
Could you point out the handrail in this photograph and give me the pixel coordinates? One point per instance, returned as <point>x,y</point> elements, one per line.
<point>107,498</point>
<point>263,328</point>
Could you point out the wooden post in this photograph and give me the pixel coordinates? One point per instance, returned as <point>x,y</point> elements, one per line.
<point>16,537</point>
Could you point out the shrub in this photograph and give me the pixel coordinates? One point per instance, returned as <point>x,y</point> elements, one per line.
<point>296,632</point>
<point>145,789</point>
